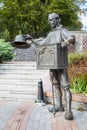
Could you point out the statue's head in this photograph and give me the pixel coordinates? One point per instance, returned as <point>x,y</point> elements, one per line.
<point>54,20</point>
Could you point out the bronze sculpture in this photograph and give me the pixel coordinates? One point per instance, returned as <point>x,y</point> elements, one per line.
<point>58,77</point>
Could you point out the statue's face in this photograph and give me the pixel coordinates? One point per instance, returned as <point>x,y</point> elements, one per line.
<point>53,20</point>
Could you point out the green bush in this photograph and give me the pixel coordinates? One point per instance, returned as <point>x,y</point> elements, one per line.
<point>79,84</point>
<point>78,72</point>
<point>6,51</point>
<point>6,35</point>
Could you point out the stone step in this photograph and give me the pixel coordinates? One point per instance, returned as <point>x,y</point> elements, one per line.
<point>30,71</point>
<point>19,65</point>
<point>18,97</point>
<point>21,77</point>
<point>22,67</point>
<point>20,62</point>
<point>18,88</point>
<point>19,80</point>
<point>16,91</point>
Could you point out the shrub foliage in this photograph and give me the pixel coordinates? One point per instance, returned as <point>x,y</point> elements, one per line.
<point>6,51</point>
<point>78,72</point>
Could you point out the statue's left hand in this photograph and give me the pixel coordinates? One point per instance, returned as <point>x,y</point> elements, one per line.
<point>68,42</point>
<point>63,44</point>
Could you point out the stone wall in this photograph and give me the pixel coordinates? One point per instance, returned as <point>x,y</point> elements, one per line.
<point>25,54</point>
<point>30,53</point>
<point>81,40</point>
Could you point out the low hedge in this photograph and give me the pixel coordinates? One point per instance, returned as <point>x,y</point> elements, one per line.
<point>77,58</point>
<point>6,51</point>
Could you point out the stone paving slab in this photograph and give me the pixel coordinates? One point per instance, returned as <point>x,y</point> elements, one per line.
<point>33,116</point>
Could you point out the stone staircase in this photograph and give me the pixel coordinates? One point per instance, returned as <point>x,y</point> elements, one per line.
<point>19,80</point>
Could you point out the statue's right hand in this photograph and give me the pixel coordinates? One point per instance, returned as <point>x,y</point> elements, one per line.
<point>27,37</point>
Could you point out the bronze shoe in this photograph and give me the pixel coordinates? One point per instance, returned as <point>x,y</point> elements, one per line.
<point>69,115</point>
<point>56,109</point>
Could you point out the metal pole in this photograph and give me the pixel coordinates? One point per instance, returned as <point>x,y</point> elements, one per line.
<point>40,92</point>
<point>54,112</point>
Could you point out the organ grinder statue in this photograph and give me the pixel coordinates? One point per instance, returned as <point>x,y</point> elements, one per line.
<point>52,54</point>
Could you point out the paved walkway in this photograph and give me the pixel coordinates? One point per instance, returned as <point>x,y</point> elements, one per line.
<point>32,116</point>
